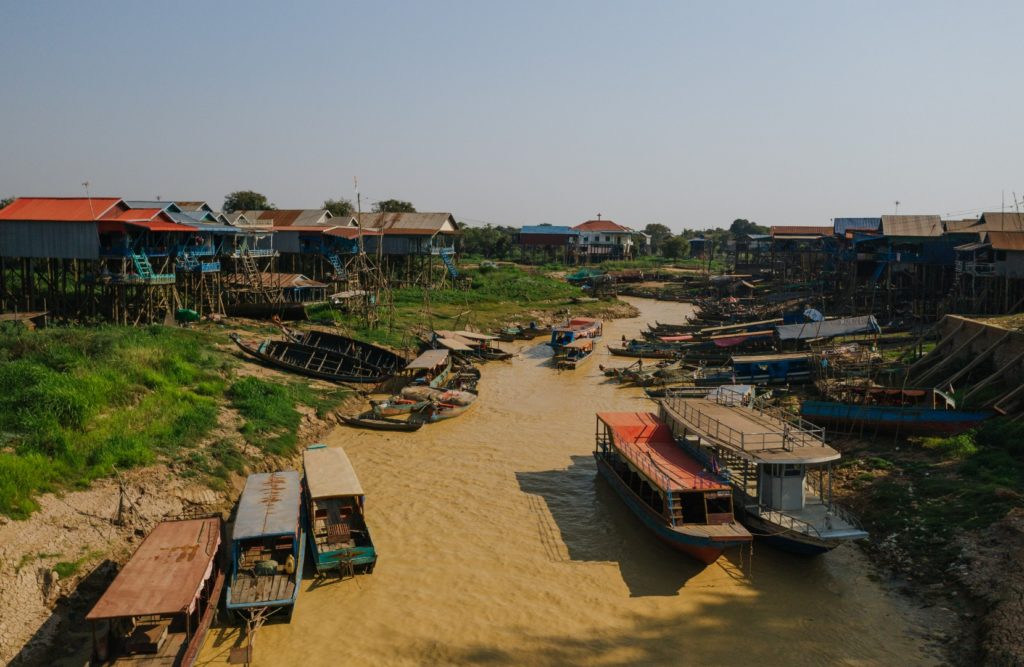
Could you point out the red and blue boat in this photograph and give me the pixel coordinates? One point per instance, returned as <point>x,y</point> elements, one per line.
<point>682,503</point>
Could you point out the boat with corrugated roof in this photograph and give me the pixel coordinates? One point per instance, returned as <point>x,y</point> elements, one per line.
<point>161,604</point>
<point>268,546</point>
<point>339,538</point>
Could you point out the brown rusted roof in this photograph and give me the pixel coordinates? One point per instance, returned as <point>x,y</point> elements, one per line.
<point>271,279</point>
<point>1001,222</point>
<point>912,225</point>
<point>409,223</point>
<point>800,230</point>
<point>960,225</point>
<point>1007,240</point>
<point>165,572</point>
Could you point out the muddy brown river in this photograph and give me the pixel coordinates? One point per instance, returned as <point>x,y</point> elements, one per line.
<point>499,545</point>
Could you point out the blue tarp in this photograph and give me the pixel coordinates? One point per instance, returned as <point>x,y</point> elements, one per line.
<point>844,326</point>
<point>269,505</point>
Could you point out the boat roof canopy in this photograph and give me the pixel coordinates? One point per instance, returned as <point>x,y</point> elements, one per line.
<point>580,343</point>
<point>329,473</point>
<point>844,326</point>
<point>453,344</point>
<point>428,359</point>
<point>642,435</point>
<point>269,505</point>
<point>166,572</point>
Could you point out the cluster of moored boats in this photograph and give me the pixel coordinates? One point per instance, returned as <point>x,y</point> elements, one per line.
<point>159,607</point>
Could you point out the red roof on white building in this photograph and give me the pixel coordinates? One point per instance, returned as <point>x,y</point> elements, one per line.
<point>602,226</point>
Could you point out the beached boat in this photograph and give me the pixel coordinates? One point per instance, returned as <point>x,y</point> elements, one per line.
<point>377,423</point>
<point>320,363</point>
<point>571,355</point>
<point>448,405</point>
<point>575,329</point>
<point>159,607</point>
<point>670,492</point>
<point>335,510</point>
<point>362,355</point>
<point>509,334</point>
<point>920,412</point>
<point>268,546</point>
<point>431,368</point>
<point>397,405</point>
<point>481,345</point>
<point>777,464</point>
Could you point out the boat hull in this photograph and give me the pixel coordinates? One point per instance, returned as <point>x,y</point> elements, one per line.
<point>642,353</point>
<point>783,539</point>
<point>701,548</point>
<point>911,420</point>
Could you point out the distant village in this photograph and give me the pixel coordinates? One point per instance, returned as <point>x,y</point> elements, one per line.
<point>134,261</point>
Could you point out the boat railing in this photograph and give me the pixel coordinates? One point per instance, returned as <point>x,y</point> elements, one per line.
<point>793,434</point>
<point>655,472</point>
<point>787,522</point>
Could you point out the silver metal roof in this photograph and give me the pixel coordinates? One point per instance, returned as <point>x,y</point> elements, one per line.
<point>329,473</point>
<point>269,505</point>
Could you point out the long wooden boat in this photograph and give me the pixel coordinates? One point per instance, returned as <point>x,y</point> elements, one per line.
<point>371,421</point>
<point>768,369</point>
<point>336,512</point>
<point>643,351</point>
<point>159,607</point>
<point>310,361</point>
<point>448,405</point>
<point>432,368</point>
<point>920,420</point>
<point>268,546</point>
<point>571,355</point>
<point>684,505</point>
<point>397,405</point>
<point>362,355</point>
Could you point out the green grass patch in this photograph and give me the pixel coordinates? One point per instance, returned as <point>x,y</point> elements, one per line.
<point>954,447</point>
<point>77,403</point>
<point>270,413</point>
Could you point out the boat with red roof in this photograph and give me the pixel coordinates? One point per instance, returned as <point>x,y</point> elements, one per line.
<point>575,329</point>
<point>673,495</point>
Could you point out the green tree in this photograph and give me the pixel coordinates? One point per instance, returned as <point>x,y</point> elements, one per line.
<point>674,247</point>
<point>5,202</point>
<point>489,241</point>
<point>393,206</point>
<point>741,226</point>
<point>246,200</point>
<point>659,234</point>
<point>339,207</point>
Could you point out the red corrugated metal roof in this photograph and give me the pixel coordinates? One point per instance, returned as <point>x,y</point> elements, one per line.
<point>800,230</point>
<point>164,574</point>
<point>153,219</point>
<point>651,440</point>
<point>58,209</point>
<point>161,226</point>
<point>601,226</point>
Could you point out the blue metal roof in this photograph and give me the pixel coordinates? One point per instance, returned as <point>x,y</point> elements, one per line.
<point>204,221</point>
<point>841,225</point>
<point>269,505</point>
<point>549,229</point>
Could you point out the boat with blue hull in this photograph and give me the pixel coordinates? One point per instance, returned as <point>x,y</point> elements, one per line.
<point>771,369</point>
<point>921,412</point>
<point>683,504</point>
<point>777,464</point>
<point>339,539</point>
<point>268,546</point>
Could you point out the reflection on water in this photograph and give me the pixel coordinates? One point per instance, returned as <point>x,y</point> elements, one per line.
<point>500,545</point>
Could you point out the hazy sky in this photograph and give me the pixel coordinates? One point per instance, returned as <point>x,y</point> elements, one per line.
<point>684,113</point>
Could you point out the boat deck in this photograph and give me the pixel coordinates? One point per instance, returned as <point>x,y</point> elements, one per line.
<point>728,532</point>
<point>168,654</point>
<point>648,443</point>
<point>759,436</point>
<point>262,588</point>
<point>815,513</point>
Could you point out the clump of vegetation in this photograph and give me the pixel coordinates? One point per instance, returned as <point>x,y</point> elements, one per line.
<point>75,404</point>
<point>971,481</point>
<point>270,413</point>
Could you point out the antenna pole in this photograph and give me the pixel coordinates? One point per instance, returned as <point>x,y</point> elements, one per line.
<point>85,184</point>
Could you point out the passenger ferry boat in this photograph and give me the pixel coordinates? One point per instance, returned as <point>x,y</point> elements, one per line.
<point>575,329</point>
<point>268,545</point>
<point>159,607</point>
<point>667,489</point>
<point>778,465</point>
<point>335,510</point>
